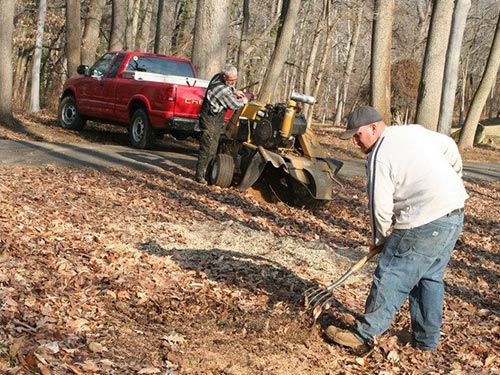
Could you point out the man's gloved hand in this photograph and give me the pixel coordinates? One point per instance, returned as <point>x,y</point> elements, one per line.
<point>241,95</point>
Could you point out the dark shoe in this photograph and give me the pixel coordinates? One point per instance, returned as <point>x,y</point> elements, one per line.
<point>343,337</point>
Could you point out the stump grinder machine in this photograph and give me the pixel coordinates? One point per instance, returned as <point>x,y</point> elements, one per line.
<point>274,144</point>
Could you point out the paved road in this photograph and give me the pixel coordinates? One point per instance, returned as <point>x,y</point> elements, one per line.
<point>23,153</point>
<point>472,170</point>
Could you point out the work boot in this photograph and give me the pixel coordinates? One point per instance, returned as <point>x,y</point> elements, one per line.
<point>343,337</point>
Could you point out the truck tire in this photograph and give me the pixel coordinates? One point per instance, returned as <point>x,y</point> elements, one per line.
<point>222,171</point>
<point>141,134</point>
<point>69,117</point>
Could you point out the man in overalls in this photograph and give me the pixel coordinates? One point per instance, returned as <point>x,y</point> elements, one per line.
<point>220,96</point>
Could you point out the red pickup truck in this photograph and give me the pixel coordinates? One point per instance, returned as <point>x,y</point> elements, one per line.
<point>151,94</point>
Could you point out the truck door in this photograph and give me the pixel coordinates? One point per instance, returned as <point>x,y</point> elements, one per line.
<point>89,90</point>
<point>106,95</point>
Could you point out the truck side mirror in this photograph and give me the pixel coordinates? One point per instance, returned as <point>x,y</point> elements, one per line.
<point>83,70</point>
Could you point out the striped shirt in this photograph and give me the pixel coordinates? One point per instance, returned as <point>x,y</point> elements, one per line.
<point>221,97</point>
<point>414,177</point>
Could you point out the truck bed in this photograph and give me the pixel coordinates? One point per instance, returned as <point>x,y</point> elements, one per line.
<point>155,77</point>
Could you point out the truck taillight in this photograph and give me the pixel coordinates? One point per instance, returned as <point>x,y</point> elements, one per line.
<point>170,94</point>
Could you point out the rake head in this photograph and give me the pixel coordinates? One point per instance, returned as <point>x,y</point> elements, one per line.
<point>318,299</point>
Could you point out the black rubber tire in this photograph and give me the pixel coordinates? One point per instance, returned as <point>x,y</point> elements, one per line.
<point>221,171</point>
<point>141,134</point>
<point>69,117</point>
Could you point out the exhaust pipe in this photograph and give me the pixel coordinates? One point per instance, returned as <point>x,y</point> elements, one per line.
<point>301,98</point>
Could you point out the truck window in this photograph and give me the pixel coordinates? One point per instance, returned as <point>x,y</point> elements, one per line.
<point>159,65</point>
<point>101,66</point>
<point>116,65</point>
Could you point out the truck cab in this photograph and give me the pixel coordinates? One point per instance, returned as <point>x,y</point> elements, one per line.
<point>151,94</point>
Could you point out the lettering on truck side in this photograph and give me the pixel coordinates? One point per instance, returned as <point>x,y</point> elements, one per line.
<point>193,101</point>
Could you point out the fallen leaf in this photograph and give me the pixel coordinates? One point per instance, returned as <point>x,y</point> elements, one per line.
<point>393,356</point>
<point>149,370</point>
<point>97,348</point>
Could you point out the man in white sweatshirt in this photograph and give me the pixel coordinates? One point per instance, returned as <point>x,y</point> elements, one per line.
<point>414,187</point>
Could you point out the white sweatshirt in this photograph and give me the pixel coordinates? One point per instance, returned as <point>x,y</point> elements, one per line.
<point>414,177</point>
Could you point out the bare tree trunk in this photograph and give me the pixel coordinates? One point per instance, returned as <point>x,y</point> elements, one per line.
<point>310,65</point>
<point>174,11</point>
<point>381,58</point>
<point>431,82</point>
<point>349,67</point>
<point>181,37</point>
<point>133,23</point>
<point>482,92</point>
<point>158,31</point>
<point>322,66</point>
<point>211,29</point>
<point>37,57</point>
<point>73,35</point>
<point>90,39</point>
<point>246,48</point>
<point>54,80</point>
<point>25,84</point>
<point>289,14</point>
<point>243,42</point>
<point>463,88</point>
<point>6,32</point>
<point>167,26</point>
<point>20,74</point>
<point>118,38</point>
<point>491,100</point>
<point>142,40</point>
<point>451,69</point>
<point>424,9</point>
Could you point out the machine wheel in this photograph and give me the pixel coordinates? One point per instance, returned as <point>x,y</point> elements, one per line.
<point>141,135</point>
<point>69,117</point>
<point>222,170</point>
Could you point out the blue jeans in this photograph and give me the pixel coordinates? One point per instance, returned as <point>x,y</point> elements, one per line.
<point>412,265</point>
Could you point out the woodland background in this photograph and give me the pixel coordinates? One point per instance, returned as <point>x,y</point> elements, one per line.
<point>416,61</point>
<point>144,271</point>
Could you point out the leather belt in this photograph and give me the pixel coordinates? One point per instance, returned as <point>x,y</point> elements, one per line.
<point>456,211</point>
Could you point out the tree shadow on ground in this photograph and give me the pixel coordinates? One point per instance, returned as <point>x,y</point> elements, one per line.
<point>247,205</point>
<point>256,274</point>
<point>18,127</point>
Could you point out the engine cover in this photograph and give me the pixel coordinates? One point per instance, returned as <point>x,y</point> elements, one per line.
<point>265,134</point>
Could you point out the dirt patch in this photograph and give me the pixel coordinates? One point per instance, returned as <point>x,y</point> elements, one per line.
<point>128,272</point>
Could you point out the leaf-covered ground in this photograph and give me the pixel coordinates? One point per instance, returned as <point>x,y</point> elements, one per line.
<point>128,272</point>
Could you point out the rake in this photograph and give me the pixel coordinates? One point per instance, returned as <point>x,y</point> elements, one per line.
<point>320,299</point>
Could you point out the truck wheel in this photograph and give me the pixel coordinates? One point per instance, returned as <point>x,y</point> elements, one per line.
<point>222,170</point>
<point>141,135</point>
<point>69,117</point>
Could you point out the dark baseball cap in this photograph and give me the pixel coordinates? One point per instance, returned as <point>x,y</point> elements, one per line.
<point>359,117</point>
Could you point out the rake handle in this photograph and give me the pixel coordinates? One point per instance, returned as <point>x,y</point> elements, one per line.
<point>356,267</point>
<point>366,258</point>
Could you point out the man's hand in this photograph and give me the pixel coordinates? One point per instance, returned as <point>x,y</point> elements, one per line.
<point>241,95</point>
